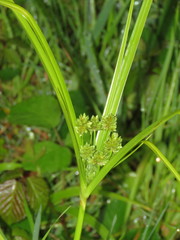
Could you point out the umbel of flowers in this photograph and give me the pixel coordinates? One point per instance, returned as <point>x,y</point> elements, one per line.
<point>92,157</point>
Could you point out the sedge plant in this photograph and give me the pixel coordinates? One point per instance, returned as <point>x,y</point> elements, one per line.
<point>97,145</point>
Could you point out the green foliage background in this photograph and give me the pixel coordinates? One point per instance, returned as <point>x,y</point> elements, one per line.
<point>140,198</point>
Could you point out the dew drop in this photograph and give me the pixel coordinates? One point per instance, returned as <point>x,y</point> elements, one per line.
<point>136,3</point>
<point>108,201</point>
<point>136,220</point>
<point>76,173</point>
<point>173,190</point>
<point>158,159</point>
<point>142,109</point>
<point>31,135</point>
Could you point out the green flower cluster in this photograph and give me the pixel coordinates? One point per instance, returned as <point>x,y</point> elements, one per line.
<point>92,157</point>
<point>84,124</point>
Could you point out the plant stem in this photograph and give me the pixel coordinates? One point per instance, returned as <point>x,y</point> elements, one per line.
<point>82,208</point>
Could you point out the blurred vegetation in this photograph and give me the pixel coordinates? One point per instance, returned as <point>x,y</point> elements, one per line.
<point>140,199</point>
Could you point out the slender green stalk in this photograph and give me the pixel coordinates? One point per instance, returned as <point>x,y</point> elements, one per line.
<point>163,158</point>
<point>80,219</point>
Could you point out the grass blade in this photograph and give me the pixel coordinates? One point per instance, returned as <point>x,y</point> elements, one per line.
<point>144,235</point>
<point>163,158</point>
<point>29,216</point>
<point>122,198</point>
<point>47,233</point>
<point>37,225</point>
<point>157,222</point>
<point>2,237</point>
<point>102,18</point>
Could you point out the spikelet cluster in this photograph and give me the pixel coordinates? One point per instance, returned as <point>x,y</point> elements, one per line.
<point>94,158</point>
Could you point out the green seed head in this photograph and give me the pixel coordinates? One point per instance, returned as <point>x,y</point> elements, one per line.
<point>109,122</point>
<point>82,124</point>
<point>87,151</point>
<point>95,124</point>
<point>113,143</point>
<point>100,158</point>
<point>91,171</point>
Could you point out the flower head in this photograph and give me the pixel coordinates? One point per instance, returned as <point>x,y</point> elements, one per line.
<point>82,124</point>
<point>109,122</point>
<point>100,158</point>
<point>113,143</point>
<point>87,151</point>
<point>95,123</point>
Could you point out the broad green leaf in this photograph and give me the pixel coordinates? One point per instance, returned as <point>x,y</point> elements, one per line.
<point>48,157</point>
<point>12,201</point>
<point>37,192</point>
<point>42,111</point>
